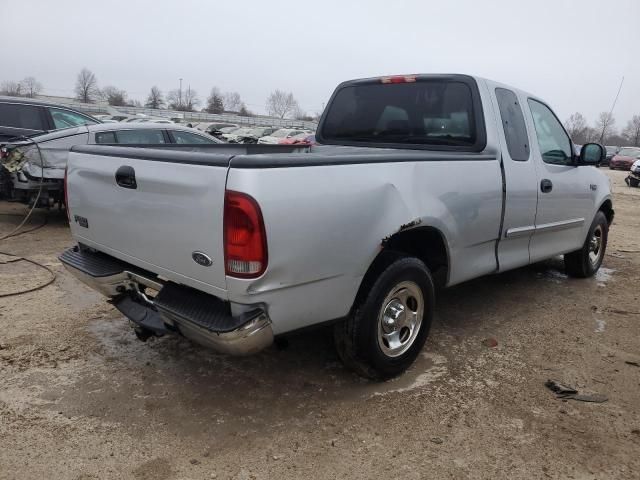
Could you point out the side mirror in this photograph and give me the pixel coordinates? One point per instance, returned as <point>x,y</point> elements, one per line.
<point>592,154</point>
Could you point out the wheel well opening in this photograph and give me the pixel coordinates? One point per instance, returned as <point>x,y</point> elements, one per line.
<point>607,209</point>
<point>425,243</point>
<point>428,245</point>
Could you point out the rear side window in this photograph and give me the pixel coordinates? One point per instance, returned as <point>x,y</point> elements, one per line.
<point>438,114</point>
<point>21,116</point>
<point>515,130</point>
<point>66,118</point>
<point>106,137</point>
<point>132,137</point>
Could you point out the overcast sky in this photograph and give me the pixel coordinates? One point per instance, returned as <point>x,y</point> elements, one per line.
<point>571,53</point>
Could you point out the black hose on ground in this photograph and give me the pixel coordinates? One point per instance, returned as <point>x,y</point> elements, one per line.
<point>14,233</point>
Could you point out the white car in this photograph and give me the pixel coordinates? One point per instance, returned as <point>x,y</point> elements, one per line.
<point>282,134</point>
<point>236,134</point>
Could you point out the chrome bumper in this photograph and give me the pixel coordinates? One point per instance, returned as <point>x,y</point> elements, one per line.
<point>251,331</point>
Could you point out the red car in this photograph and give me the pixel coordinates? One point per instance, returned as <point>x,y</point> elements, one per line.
<point>625,158</point>
<point>300,139</point>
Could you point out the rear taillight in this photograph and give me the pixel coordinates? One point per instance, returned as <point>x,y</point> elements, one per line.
<point>66,196</point>
<point>245,240</point>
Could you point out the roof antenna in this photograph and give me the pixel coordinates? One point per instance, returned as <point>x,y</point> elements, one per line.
<point>604,127</point>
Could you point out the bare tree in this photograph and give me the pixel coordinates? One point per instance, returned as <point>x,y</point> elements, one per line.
<point>232,101</point>
<point>13,89</point>
<point>86,86</point>
<point>577,127</point>
<point>191,100</point>
<point>215,102</point>
<point>591,135</point>
<point>244,112</point>
<point>604,126</point>
<point>632,131</point>
<point>183,101</point>
<point>174,99</point>
<point>280,104</point>
<point>300,114</point>
<point>30,87</point>
<point>155,98</point>
<point>114,96</point>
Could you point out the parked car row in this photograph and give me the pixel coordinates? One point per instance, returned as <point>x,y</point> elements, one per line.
<point>624,158</point>
<point>41,158</point>
<point>36,136</point>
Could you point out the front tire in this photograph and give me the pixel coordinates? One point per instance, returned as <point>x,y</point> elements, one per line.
<point>390,322</point>
<point>585,262</point>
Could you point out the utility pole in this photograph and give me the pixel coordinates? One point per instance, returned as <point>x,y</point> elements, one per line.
<point>615,100</point>
<point>180,94</point>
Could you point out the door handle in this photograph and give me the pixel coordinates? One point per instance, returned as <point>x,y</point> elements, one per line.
<point>126,177</point>
<point>546,185</point>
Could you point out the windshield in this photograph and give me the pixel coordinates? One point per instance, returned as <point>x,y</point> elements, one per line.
<point>629,152</point>
<point>611,149</point>
<point>242,131</point>
<point>434,112</point>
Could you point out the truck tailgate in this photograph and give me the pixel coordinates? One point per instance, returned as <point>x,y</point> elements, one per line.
<point>175,208</point>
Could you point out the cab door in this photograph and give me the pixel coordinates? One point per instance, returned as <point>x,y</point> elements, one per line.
<point>565,196</point>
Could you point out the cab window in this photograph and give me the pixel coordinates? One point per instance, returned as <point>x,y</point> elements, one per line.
<point>555,145</point>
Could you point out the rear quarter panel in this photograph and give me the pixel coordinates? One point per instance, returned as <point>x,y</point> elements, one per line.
<point>325,225</point>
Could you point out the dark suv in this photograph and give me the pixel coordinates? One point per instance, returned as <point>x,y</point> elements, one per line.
<point>25,116</point>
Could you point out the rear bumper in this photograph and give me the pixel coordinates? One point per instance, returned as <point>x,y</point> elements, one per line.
<point>174,309</point>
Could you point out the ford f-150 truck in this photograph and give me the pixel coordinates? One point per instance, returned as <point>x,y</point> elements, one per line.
<point>417,181</point>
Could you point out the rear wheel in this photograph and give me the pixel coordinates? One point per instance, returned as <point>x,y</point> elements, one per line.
<point>391,322</point>
<point>586,261</point>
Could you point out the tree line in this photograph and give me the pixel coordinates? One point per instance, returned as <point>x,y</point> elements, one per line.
<point>279,103</point>
<point>603,130</point>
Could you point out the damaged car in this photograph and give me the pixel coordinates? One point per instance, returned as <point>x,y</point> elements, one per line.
<point>36,164</point>
<point>24,117</point>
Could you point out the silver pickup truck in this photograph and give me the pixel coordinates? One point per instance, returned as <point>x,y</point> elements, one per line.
<point>418,181</point>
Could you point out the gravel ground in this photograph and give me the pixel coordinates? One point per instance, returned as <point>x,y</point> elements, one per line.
<point>81,398</point>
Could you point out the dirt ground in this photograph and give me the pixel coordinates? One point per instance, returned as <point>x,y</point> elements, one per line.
<point>82,398</point>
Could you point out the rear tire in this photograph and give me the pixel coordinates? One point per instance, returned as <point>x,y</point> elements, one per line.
<point>585,262</point>
<point>391,321</point>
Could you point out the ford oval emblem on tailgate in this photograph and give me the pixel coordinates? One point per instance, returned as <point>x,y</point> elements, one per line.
<point>202,259</point>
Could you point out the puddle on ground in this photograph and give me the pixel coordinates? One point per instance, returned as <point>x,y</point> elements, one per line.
<point>553,275</point>
<point>603,275</point>
<point>427,368</point>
